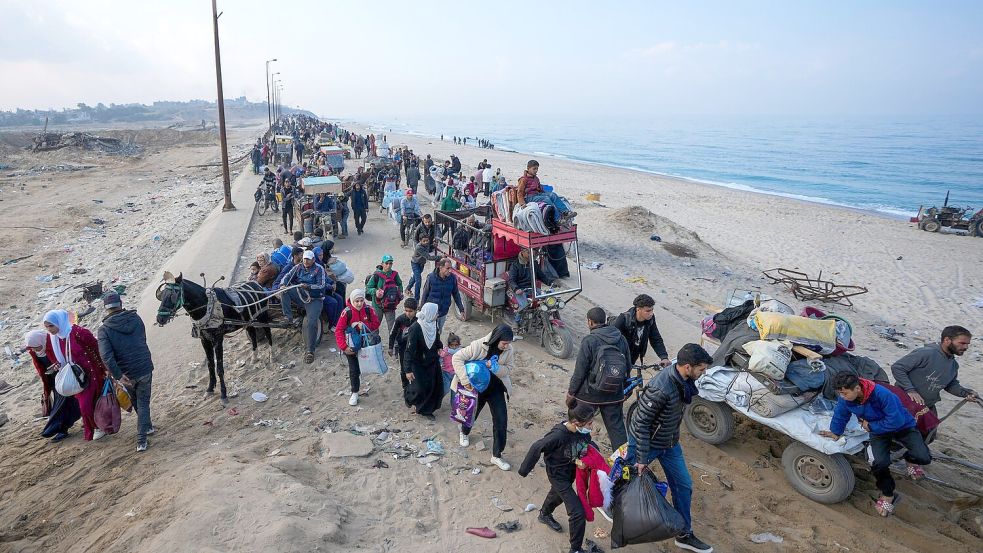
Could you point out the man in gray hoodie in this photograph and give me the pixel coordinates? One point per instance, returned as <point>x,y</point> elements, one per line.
<point>928,370</point>
<point>600,374</point>
<point>123,347</point>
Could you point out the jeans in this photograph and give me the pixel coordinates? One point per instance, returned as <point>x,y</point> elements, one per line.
<point>389,315</point>
<point>500,420</point>
<point>440,322</point>
<point>448,377</point>
<point>344,222</point>
<point>677,476</point>
<point>333,305</point>
<point>563,492</point>
<point>560,206</point>
<point>288,213</point>
<point>354,372</point>
<point>359,220</point>
<point>416,281</point>
<point>312,311</point>
<point>141,392</point>
<point>880,445</point>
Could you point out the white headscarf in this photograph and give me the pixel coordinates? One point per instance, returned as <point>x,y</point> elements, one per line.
<point>356,294</point>
<point>427,319</point>
<point>35,339</point>
<point>61,319</point>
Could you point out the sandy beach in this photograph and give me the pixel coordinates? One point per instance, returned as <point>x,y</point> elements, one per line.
<point>262,476</point>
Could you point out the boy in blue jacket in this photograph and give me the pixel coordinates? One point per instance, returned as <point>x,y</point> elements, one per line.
<point>882,415</point>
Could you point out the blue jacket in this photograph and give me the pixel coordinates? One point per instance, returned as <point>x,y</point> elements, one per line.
<point>441,291</point>
<point>326,205</point>
<point>315,278</point>
<point>360,200</point>
<point>123,345</point>
<point>881,409</point>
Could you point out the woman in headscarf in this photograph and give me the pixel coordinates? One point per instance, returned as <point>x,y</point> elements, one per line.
<point>268,270</point>
<point>72,342</point>
<point>357,315</point>
<point>498,342</point>
<point>62,412</point>
<point>422,363</point>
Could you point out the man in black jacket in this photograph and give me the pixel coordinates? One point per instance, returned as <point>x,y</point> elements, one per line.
<point>638,326</point>
<point>603,349</point>
<point>123,347</point>
<point>653,432</point>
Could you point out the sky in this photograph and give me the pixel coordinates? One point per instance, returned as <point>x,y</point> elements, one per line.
<point>422,58</point>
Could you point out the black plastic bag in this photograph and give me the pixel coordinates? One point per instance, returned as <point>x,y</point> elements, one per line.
<point>642,515</point>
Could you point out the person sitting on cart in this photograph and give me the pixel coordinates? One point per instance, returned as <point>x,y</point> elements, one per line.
<point>881,414</point>
<point>313,281</point>
<point>409,208</point>
<point>296,257</point>
<point>450,202</point>
<point>520,279</point>
<point>531,190</point>
<point>325,208</point>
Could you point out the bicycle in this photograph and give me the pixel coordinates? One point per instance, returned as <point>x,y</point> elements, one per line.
<point>635,384</point>
<point>261,203</point>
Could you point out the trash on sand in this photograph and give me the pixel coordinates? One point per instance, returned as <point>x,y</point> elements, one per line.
<point>530,507</point>
<point>273,453</point>
<point>45,278</point>
<point>260,397</point>
<point>501,504</point>
<point>766,537</point>
<point>380,464</point>
<point>435,447</point>
<point>655,238</point>
<point>636,280</point>
<point>233,412</point>
<point>600,533</point>
<point>484,532</point>
<point>509,527</point>
<point>428,459</point>
<point>130,514</point>
<point>595,265</point>
<point>475,471</point>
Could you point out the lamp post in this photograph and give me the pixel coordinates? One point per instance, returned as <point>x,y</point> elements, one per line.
<point>269,106</point>
<point>226,184</point>
<point>273,81</point>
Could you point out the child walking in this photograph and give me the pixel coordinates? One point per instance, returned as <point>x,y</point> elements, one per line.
<point>562,449</point>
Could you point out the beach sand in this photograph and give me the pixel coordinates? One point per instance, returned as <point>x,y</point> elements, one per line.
<point>261,476</point>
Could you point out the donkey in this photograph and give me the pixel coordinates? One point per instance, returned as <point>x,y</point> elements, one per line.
<point>213,318</point>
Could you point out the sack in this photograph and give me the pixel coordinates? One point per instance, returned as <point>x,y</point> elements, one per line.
<point>642,514</point>
<point>609,371</point>
<point>798,330</point>
<point>71,379</point>
<point>464,405</point>
<point>770,357</point>
<point>391,294</point>
<point>478,374</point>
<point>806,374</point>
<point>347,277</point>
<point>106,412</point>
<point>123,398</point>
<point>353,338</point>
<point>371,360</point>
<point>258,195</point>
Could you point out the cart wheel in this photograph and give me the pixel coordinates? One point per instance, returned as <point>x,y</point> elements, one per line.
<point>558,341</point>
<point>931,226</point>
<point>709,421</point>
<point>822,478</point>
<point>978,228</point>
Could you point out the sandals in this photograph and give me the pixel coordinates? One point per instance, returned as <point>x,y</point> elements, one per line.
<point>915,472</point>
<point>885,507</point>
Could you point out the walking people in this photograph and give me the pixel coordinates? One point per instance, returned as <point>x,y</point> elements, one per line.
<point>386,290</point>
<point>441,288</point>
<point>409,208</point>
<point>601,373</point>
<point>62,412</point>
<point>313,284</point>
<point>928,370</point>
<point>880,413</point>
<point>497,343</point>
<point>123,348</point>
<point>426,385</point>
<point>357,316</point>
<point>360,206</point>
<point>638,327</point>
<point>561,449</point>
<point>452,346</point>
<point>421,254</point>
<point>287,205</point>
<point>71,343</point>
<point>653,432</point>
<point>397,339</point>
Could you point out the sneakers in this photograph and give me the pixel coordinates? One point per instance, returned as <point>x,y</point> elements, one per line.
<point>463,439</point>
<point>151,431</point>
<point>353,401</point>
<point>308,358</point>
<point>692,543</point>
<point>59,436</point>
<point>501,463</point>
<point>142,446</point>
<point>549,521</point>
<point>98,434</point>
<point>916,472</point>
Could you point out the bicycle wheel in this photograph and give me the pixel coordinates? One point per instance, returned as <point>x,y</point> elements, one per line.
<point>261,206</point>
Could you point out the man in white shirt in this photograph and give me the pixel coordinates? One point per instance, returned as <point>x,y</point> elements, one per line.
<point>486,178</point>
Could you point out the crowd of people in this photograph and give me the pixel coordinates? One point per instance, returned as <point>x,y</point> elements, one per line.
<point>437,371</point>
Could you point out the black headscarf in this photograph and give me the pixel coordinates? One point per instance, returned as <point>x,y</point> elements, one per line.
<point>501,332</point>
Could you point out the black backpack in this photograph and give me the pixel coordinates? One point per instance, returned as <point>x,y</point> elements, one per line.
<point>609,372</point>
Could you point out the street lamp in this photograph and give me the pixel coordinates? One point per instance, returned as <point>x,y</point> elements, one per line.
<point>269,106</point>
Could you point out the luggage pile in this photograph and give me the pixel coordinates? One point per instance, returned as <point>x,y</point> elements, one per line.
<point>535,217</point>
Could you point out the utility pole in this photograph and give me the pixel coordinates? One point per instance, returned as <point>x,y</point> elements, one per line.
<point>276,114</point>
<point>226,184</point>
<point>269,105</point>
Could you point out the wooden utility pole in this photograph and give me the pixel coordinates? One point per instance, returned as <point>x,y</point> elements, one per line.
<point>226,183</point>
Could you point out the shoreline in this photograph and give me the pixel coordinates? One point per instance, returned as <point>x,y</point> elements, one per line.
<point>678,178</point>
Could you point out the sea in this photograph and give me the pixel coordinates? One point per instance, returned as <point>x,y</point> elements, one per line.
<point>888,165</point>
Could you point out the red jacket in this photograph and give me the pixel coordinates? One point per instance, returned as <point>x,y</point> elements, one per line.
<point>85,353</point>
<point>47,380</point>
<point>587,482</point>
<point>351,315</point>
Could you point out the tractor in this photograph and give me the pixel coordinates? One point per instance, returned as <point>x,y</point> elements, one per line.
<point>934,219</point>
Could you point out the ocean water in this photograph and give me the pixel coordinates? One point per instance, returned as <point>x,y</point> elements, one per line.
<point>883,164</point>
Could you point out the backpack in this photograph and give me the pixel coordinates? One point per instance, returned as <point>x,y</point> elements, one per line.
<point>609,371</point>
<point>391,294</point>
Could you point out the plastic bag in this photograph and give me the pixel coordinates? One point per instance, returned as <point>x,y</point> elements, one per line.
<point>479,375</point>
<point>371,360</point>
<point>769,357</point>
<point>464,405</point>
<point>107,414</point>
<point>123,398</point>
<point>642,514</point>
<point>70,380</point>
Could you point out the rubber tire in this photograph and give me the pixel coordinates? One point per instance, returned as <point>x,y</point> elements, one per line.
<point>931,226</point>
<point>564,349</point>
<point>719,421</point>
<point>261,208</point>
<point>833,468</point>
<point>978,228</point>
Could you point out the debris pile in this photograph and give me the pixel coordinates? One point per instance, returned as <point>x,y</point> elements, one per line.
<point>48,141</point>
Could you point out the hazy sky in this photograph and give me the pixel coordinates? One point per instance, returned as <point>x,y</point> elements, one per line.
<point>418,58</point>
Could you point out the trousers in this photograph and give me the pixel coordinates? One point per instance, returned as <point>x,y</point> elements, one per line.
<point>562,492</point>
<point>141,389</point>
<point>354,372</point>
<point>677,476</point>
<point>880,446</point>
<point>500,419</point>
